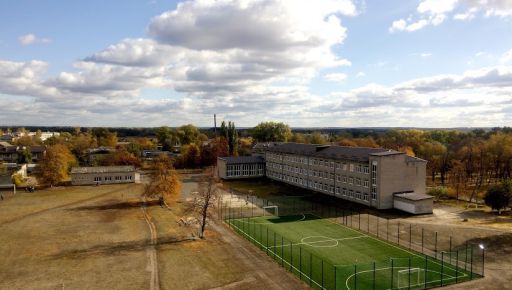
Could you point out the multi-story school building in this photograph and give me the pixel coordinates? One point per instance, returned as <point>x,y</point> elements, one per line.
<point>376,177</point>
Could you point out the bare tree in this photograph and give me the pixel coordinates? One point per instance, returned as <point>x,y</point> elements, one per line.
<point>203,201</point>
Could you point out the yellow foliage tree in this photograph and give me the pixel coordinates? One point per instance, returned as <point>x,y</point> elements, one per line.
<point>165,181</point>
<point>54,167</point>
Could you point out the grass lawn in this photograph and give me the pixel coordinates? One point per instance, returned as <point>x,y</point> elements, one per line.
<point>329,255</point>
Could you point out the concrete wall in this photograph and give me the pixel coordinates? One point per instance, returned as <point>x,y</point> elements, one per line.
<point>424,206</point>
<point>221,167</point>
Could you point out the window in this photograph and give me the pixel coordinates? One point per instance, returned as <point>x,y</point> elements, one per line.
<point>332,164</point>
<point>351,167</point>
<point>358,181</point>
<point>366,170</point>
<point>344,166</point>
<point>366,183</point>
<point>345,179</point>
<point>351,180</point>
<point>374,193</point>
<point>337,166</point>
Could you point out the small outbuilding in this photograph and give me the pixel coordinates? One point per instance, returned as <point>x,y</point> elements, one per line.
<point>241,167</point>
<point>103,175</point>
<point>415,203</point>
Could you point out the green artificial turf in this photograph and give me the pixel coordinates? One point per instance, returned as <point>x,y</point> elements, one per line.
<point>329,255</point>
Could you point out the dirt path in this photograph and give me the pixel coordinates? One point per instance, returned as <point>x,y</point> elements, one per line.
<point>154,283</point>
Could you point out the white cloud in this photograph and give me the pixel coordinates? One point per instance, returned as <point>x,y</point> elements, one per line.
<point>335,77</point>
<point>361,74</point>
<point>507,57</point>
<point>434,12</point>
<point>30,38</point>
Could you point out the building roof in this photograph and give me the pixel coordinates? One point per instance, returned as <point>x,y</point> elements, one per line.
<point>37,149</point>
<point>414,159</point>
<point>414,196</point>
<point>243,159</point>
<point>353,153</point>
<point>332,152</point>
<point>103,169</point>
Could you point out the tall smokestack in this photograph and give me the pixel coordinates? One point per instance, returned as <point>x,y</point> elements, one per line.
<point>215,124</point>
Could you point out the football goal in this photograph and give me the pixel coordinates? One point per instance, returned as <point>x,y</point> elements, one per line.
<point>410,277</point>
<point>272,209</point>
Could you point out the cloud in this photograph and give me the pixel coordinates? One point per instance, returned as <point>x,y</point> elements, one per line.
<point>29,39</point>
<point>335,77</point>
<point>435,12</point>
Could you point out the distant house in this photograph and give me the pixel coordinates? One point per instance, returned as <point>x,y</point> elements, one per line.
<point>103,175</point>
<point>11,153</point>
<point>8,152</point>
<point>241,167</point>
<point>95,154</point>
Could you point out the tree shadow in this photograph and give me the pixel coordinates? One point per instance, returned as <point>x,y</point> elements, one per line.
<point>118,205</point>
<point>120,248</point>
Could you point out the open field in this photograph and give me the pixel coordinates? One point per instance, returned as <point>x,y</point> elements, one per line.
<point>106,237</point>
<point>329,255</point>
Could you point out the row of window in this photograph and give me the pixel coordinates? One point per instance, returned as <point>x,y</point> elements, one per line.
<point>322,174</point>
<point>110,178</point>
<point>338,191</point>
<point>352,167</point>
<point>245,170</point>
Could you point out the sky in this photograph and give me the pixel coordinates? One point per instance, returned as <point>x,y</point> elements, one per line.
<point>322,63</point>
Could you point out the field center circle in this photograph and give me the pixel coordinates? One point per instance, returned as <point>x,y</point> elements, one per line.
<point>319,241</point>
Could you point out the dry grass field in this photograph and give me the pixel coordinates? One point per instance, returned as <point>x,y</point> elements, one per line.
<point>104,238</point>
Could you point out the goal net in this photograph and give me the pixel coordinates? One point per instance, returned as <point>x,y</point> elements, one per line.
<point>271,210</point>
<point>410,277</point>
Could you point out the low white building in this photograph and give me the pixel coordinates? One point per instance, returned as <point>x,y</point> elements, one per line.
<point>104,175</point>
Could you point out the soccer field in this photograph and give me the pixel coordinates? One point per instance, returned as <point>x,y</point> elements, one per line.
<point>330,255</point>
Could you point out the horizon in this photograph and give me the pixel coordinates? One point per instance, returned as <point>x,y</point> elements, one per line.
<point>331,63</point>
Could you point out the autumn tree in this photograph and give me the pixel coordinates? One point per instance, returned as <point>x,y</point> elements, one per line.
<point>271,132</point>
<point>203,200</point>
<point>164,181</point>
<point>187,134</point>
<point>190,156</point>
<point>55,165</point>
<point>216,148</point>
<point>498,196</point>
<point>317,138</point>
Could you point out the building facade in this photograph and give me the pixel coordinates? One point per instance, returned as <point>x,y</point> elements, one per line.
<point>370,176</point>
<point>103,175</point>
<point>241,167</point>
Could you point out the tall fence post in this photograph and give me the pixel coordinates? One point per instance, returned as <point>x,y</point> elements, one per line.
<point>398,230</point>
<point>300,263</point>
<point>457,267</point>
<point>410,236</point>
<point>334,277</point>
<point>291,256</point>
<point>466,257</point>
<point>373,283</point>
<point>426,272</point>
<point>450,249</point>
<point>409,275</point>
<point>387,230</point>
<point>322,273</point>
<point>435,247</point>
<point>266,244</point>
<point>282,249</point>
<point>378,219</point>
<point>471,263</point>
<point>422,239</point>
<point>355,276</point>
<point>442,268</point>
<point>359,218</point>
<point>392,266</point>
<point>310,269</point>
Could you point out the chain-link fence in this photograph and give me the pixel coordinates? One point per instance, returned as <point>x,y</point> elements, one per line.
<point>435,260</point>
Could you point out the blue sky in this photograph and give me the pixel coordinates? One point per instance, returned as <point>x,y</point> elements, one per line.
<point>426,63</point>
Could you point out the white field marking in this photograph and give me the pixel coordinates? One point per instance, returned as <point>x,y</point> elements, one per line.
<point>450,277</point>
<point>274,253</point>
<point>327,239</point>
<point>387,243</point>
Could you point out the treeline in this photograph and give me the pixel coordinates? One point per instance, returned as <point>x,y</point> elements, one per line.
<point>466,162</point>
